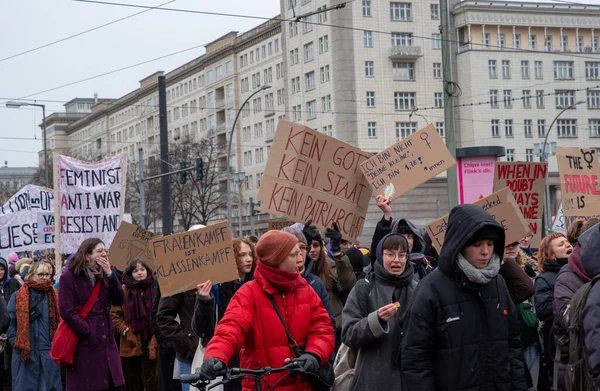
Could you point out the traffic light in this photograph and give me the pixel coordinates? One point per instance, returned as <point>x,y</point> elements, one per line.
<point>252,206</point>
<point>199,169</point>
<point>183,175</point>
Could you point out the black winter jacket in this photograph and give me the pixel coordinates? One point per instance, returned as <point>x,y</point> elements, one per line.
<point>462,336</point>
<point>180,334</point>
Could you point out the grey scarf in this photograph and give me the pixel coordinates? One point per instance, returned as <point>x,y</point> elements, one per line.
<point>480,276</point>
<point>93,275</point>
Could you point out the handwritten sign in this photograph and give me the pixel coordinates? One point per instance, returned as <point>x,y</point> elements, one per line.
<point>90,200</point>
<point>578,169</point>
<point>19,219</point>
<point>503,208</point>
<point>278,225</point>
<point>313,176</point>
<point>184,260</point>
<point>408,163</point>
<point>129,243</point>
<point>559,221</point>
<point>45,228</point>
<point>475,177</point>
<point>527,181</point>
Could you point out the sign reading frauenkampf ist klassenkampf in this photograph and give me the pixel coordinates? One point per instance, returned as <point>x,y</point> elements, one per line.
<point>90,200</point>
<point>184,260</point>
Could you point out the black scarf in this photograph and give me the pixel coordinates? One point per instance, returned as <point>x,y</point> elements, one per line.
<point>138,304</point>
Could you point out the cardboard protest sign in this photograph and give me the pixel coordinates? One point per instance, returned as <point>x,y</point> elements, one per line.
<point>313,176</point>
<point>503,208</point>
<point>408,163</point>
<point>129,243</point>
<point>90,200</point>
<point>19,219</point>
<point>185,260</point>
<point>278,225</point>
<point>559,221</point>
<point>527,181</point>
<point>578,170</point>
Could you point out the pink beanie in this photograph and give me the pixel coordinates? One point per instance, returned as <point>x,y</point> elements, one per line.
<point>13,257</point>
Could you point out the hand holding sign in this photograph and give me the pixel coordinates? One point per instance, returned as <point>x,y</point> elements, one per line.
<point>383,203</point>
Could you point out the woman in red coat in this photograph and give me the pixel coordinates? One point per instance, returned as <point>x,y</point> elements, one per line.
<point>251,325</point>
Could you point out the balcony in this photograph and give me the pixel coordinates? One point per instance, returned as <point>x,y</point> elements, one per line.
<point>405,52</point>
<point>221,127</point>
<point>269,111</point>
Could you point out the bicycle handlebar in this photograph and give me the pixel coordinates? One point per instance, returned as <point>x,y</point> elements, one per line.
<point>232,373</point>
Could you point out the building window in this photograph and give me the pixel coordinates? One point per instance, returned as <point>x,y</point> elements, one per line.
<point>368,39</point>
<point>566,127</point>
<point>565,98</point>
<point>297,113</point>
<point>372,129</point>
<point>487,40</point>
<point>293,31</point>
<point>405,100</point>
<point>510,155</point>
<point>308,52</point>
<point>539,74</point>
<point>438,99</point>
<point>541,127</point>
<point>592,70</point>
<point>370,98</point>
<point>439,126</point>
<point>436,41</point>
<point>525,69</point>
<point>369,69</point>
<point>402,39</point>
<point>280,97</point>
<point>492,69</point>
<point>495,128</point>
<point>563,70</point>
<point>502,41</point>
<point>307,25</point>
<point>526,99</point>
<point>549,43</point>
<point>328,130</point>
<point>494,99</point>
<point>532,42</point>
<point>437,70</point>
<point>529,155</point>
<point>434,11</point>
<point>405,129</point>
<point>258,130</point>
<point>517,41</point>
<point>366,8</point>
<point>580,43</point>
<point>594,127</point>
<point>322,17</point>
<point>404,71</point>
<point>324,74</point>
<point>296,85</point>
<point>310,80</point>
<point>326,103</point>
<point>324,44</point>
<point>506,69</point>
<point>539,99</point>
<point>593,99</point>
<point>400,11</point>
<point>528,125</point>
<point>311,108</point>
<point>565,42</point>
<point>508,128</point>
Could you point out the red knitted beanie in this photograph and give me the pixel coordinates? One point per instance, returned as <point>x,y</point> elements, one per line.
<point>274,246</point>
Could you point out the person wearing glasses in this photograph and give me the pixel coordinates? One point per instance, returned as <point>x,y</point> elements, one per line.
<point>97,363</point>
<point>525,245</point>
<point>33,312</point>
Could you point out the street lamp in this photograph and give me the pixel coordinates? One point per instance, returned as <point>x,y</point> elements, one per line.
<point>16,105</point>
<point>229,151</point>
<point>544,158</point>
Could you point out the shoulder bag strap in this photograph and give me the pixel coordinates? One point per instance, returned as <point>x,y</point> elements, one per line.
<point>90,303</point>
<point>291,341</point>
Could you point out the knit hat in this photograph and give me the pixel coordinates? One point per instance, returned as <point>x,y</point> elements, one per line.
<point>488,232</point>
<point>356,257</point>
<point>274,246</point>
<point>297,233</point>
<point>13,257</point>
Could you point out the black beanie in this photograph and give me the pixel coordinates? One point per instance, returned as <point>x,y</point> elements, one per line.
<point>357,259</point>
<point>487,232</point>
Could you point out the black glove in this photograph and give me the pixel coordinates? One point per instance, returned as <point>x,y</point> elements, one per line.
<point>335,238</point>
<point>311,232</point>
<point>308,362</point>
<point>211,368</point>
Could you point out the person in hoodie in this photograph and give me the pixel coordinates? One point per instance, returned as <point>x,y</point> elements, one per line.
<point>375,315</point>
<point>568,281</point>
<point>416,241</point>
<point>358,261</point>
<point>553,254</point>
<point>462,331</point>
<point>8,286</point>
<point>590,260</point>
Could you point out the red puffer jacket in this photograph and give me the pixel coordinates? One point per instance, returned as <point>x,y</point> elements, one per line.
<point>251,326</point>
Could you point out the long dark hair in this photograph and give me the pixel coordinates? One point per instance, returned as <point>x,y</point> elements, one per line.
<point>133,264</point>
<point>79,261</point>
<point>323,267</point>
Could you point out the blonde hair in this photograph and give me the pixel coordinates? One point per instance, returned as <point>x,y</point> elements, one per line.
<point>545,248</point>
<point>574,231</point>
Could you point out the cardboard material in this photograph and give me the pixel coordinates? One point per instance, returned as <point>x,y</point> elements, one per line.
<point>277,225</point>
<point>408,163</point>
<point>129,243</point>
<point>579,170</point>
<point>185,260</point>
<point>313,176</point>
<point>527,181</point>
<point>503,208</point>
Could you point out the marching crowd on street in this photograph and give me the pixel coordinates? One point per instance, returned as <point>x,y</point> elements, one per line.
<point>481,315</point>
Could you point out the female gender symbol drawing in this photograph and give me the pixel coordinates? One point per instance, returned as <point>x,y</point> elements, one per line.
<point>424,136</point>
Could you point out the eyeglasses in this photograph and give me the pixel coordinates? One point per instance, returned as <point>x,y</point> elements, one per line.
<point>44,275</point>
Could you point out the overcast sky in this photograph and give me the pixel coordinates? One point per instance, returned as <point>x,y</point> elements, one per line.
<point>28,24</point>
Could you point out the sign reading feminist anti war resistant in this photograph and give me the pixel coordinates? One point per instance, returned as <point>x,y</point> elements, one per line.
<point>184,260</point>
<point>89,200</point>
<point>527,181</point>
<point>578,169</point>
<point>408,163</point>
<point>503,208</point>
<point>313,176</point>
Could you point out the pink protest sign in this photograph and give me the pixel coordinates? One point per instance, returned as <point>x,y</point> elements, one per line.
<point>475,177</point>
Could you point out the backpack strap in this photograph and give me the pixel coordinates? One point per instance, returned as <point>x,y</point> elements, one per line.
<point>291,342</point>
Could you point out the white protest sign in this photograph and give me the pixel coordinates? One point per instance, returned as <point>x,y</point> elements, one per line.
<point>89,200</point>
<point>559,221</point>
<point>45,229</point>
